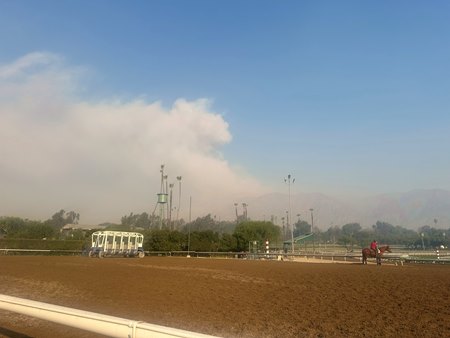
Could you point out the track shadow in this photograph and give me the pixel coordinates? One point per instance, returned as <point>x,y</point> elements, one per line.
<point>12,334</point>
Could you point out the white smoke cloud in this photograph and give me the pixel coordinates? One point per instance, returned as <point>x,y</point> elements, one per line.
<point>102,159</point>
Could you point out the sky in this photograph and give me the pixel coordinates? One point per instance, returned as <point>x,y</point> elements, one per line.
<point>350,98</point>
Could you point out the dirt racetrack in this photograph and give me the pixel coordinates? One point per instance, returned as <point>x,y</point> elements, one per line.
<point>233,298</point>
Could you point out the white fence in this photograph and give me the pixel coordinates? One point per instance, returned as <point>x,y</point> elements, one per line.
<point>93,322</point>
<point>401,256</point>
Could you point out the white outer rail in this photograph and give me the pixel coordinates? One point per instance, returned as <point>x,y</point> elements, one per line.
<point>90,321</point>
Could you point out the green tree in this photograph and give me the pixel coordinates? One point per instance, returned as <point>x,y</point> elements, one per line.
<point>11,226</point>
<point>78,234</point>
<point>38,230</point>
<point>383,230</point>
<point>226,227</point>
<point>202,223</point>
<point>301,228</point>
<point>259,231</point>
<point>432,237</point>
<point>72,217</point>
<point>62,218</point>
<point>227,243</point>
<point>349,233</point>
<point>333,234</point>
<point>205,241</point>
<point>15,227</point>
<point>351,229</point>
<point>364,237</point>
<point>140,221</point>
<point>164,240</point>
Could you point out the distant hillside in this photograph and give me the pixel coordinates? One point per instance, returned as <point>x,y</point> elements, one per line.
<point>411,209</point>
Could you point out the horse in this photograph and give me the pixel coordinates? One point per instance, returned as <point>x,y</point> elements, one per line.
<point>366,252</point>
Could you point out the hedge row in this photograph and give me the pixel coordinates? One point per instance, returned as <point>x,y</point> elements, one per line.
<point>39,244</point>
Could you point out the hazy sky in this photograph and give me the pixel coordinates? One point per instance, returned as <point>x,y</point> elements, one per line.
<point>349,97</point>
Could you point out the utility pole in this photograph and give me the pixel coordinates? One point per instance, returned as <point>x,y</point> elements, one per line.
<point>179,196</point>
<point>170,206</point>
<point>162,197</point>
<point>189,226</point>
<point>244,207</point>
<point>312,229</point>
<point>167,192</point>
<point>288,181</point>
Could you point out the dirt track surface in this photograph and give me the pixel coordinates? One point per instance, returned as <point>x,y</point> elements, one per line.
<point>233,298</point>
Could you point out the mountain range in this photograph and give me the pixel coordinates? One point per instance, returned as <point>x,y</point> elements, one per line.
<point>411,209</point>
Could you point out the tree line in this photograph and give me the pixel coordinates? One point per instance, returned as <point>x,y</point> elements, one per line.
<point>211,235</point>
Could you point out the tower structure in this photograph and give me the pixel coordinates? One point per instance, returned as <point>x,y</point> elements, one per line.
<point>162,197</point>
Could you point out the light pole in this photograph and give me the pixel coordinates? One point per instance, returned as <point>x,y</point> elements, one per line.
<point>189,226</point>
<point>179,196</point>
<point>244,206</point>
<point>312,229</point>
<point>423,245</point>
<point>288,181</point>
<point>167,191</point>
<point>162,197</point>
<point>170,206</point>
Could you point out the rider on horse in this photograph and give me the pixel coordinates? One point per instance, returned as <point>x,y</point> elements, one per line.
<point>374,251</point>
<point>374,247</point>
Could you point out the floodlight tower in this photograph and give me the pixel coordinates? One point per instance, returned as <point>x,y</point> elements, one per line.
<point>167,193</point>
<point>179,196</point>
<point>244,207</point>
<point>288,182</point>
<point>312,229</point>
<point>170,205</point>
<point>162,196</point>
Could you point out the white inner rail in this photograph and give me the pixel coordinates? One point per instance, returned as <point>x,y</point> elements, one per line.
<point>94,322</point>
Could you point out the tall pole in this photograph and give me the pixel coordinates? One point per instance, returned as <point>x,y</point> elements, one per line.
<point>167,191</point>
<point>179,196</point>
<point>189,226</point>
<point>235,209</point>
<point>170,206</point>
<point>162,178</point>
<point>312,228</point>
<point>288,181</point>
<point>190,208</point>
<point>287,217</point>
<point>161,199</point>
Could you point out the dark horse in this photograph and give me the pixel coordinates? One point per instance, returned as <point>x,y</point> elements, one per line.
<point>366,252</point>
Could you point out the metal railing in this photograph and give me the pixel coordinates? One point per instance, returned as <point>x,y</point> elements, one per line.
<point>404,256</point>
<point>93,322</point>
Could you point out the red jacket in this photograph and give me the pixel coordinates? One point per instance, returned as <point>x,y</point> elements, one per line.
<point>373,245</point>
